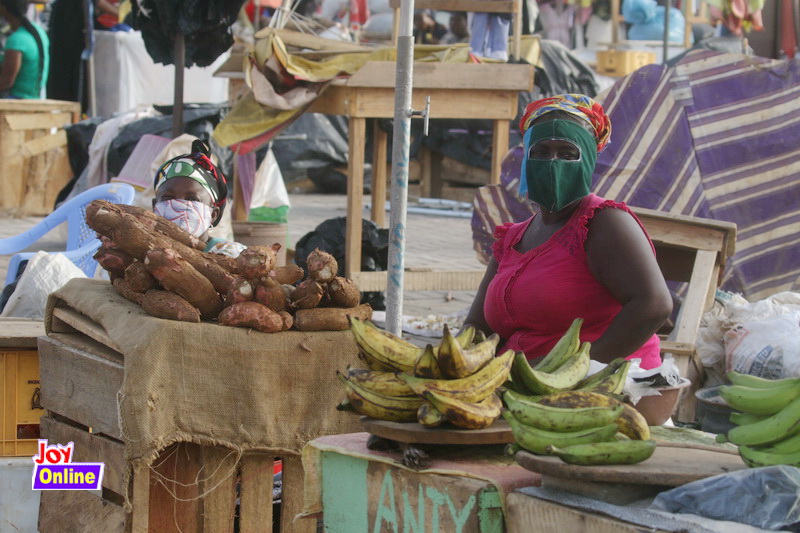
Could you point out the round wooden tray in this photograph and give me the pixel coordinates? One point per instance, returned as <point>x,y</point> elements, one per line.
<point>414,433</point>
<point>668,466</point>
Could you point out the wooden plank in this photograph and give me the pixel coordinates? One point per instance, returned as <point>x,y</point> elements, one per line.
<point>443,280</point>
<point>140,499</point>
<point>426,178</point>
<point>379,139</point>
<point>445,103</point>
<point>413,433</point>
<point>305,40</point>
<point>20,332</point>
<point>693,305</point>
<point>456,171</point>
<point>12,186</point>
<point>240,210</point>
<point>80,386</point>
<point>38,105</point>
<point>43,144</point>
<point>219,505</point>
<point>499,148</point>
<point>523,510</point>
<point>255,511</point>
<point>703,232</point>
<point>83,324</point>
<point>479,6</point>
<point>668,467</point>
<point>174,504</point>
<point>89,448</point>
<point>78,510</point>
<point>81,342</point>
<point>448,76</point>
<point>38,121</point>
<point>355,194</point>
<point>677,348</point>
<point>292,497</point>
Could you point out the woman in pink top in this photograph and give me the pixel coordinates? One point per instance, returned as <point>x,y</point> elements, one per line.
<point>582,256</point>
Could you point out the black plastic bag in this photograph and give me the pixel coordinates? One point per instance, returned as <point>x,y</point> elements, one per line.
<point>329,237</point>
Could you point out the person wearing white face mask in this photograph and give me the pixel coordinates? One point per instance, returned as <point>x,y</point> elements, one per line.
<point>191,192</point>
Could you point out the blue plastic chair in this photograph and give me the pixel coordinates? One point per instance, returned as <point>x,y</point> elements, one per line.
<point>82,241</point>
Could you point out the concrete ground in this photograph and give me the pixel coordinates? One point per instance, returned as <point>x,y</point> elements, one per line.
<point>432,242</point>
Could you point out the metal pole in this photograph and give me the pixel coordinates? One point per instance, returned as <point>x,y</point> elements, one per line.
<point>177,101</point>
<point>667,7</point>
<point>400,149</point>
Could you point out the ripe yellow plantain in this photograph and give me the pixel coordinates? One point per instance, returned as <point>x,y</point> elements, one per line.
<point>457,362</point>
<point>429,416</point>
<point>386,350</point>
<point>467,415</point>
<point>474,388</point>
<point>427,366</point>
<point>385,383</point>
<point>378,406</point>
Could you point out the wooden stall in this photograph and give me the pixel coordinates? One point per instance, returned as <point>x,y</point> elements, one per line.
<point>456,90</point>
<point>193,484</point>
<point>33,147</point>
<point>462,489</point>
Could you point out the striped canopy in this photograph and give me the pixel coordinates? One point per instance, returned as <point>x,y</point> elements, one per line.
<point>716,136</point>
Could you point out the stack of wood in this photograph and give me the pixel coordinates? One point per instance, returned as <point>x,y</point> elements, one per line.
<point>154,263</point>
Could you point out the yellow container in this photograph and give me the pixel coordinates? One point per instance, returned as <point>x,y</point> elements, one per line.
<point>622,62</point>
<point>19,402</point>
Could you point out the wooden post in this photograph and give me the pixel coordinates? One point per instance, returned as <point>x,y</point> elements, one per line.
<point>355,195</point>
<point>179,58</point>
<point>292,497</point>
<point>379,176</point>
<point>255,513</point>
<point>499,147</point>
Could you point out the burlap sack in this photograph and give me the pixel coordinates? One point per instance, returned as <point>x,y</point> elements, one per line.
<point>215,385</point>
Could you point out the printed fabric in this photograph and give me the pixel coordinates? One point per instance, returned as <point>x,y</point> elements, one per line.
<point>577,105</point>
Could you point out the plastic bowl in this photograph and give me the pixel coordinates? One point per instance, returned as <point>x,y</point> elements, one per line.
<point>712,411</point>
<point>657,409</point>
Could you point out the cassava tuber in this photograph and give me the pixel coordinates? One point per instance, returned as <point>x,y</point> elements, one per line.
<point>343,292</point>
<point>307,295</point>
<point>176,274</point>
<point>123,290</point>
<point>329,318</point>
<point>251,315</point>
<point>139,279</point>
<point>241,291</point>
<point>322,266</point>
<point>272,296</point>
<point>166,304</point>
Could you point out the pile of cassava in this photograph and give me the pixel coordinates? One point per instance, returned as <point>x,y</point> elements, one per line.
<point>156,264</point>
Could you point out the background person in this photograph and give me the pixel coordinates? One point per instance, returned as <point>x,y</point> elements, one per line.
<point>26,60</point>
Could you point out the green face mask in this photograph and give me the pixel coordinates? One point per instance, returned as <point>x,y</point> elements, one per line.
<point>556,183</point>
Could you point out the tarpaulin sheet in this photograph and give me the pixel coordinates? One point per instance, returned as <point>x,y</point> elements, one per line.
<point>715,136</point>
<point>250,124</point>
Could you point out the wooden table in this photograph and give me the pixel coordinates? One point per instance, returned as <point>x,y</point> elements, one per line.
<point>457,90</point>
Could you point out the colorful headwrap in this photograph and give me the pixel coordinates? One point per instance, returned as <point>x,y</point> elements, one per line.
<point>575,104</point>
<point>197,166</point>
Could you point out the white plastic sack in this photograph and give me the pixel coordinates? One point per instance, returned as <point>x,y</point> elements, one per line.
<point>44,274</point>
<point>270,201</point>
<point>379,26</point>
<point>769,348</point>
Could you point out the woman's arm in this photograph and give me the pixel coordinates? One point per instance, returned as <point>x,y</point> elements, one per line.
<point>475,316</point>
<point>11,66</point>
<point>621,259</point>
<point>107,7</point>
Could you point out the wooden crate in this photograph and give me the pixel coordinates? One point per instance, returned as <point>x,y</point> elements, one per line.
<point>33,148</point>
<point>525,514</point>
<point>623,62</point>
<point>19,386</point>
<point>188,488</point>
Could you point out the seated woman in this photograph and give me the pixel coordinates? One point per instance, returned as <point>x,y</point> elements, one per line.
<point>191,192</point>
<point>26,60</point>
<point>581,256</point>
